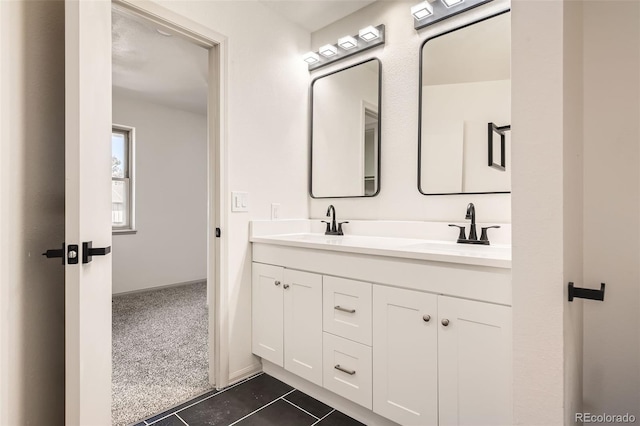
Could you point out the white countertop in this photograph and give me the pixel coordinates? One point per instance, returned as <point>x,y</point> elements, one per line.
<point>497,256</point>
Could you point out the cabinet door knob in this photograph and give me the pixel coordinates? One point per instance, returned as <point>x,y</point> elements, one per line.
<point>277,283</point>
<point>445,322</point>
<point>286,286</point>
<point>426,318</point>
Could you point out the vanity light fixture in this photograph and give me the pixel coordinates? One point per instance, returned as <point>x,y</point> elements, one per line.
<point>431,11</point>
<point>328,50</point>
<point>422,10</point>
<point>311,58</point>
<point>366,38</point>
<point>347,42</point>
<point>369,33</point>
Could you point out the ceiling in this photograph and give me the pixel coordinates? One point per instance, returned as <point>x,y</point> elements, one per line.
<point>173,71</point>
<point>165,70</point>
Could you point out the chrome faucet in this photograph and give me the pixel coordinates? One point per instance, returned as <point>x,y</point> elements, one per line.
<point>473,236</point>
<point>333,228</point>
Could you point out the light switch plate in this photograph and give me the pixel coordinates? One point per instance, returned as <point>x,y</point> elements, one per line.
<point>239,201</point>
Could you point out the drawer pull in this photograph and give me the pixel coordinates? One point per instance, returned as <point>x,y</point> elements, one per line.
<point>340,308</point>
<point>345,370</point>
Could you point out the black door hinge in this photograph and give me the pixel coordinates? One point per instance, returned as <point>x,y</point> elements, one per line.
<point>218,232</point>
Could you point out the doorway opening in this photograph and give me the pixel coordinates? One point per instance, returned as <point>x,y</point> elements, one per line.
<point>165,209</point>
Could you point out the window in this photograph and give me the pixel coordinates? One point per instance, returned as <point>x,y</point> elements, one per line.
<point>122,200</point>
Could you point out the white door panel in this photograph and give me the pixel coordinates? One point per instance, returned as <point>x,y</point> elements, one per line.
<point>87,209</point>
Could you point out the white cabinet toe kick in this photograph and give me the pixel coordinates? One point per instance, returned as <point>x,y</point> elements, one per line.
<point>386,339</point>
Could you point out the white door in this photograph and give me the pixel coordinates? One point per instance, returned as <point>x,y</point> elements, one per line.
<point>267,321</point>
<point>405,355</point>
<point>303,324</point>
<point>88,211</point>
<point>474,354</point>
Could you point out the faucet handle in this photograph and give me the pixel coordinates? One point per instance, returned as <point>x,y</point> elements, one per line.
<point>340,227</point>
<point>483,234</point>
<point>462,235</point>
<point>328,230</point>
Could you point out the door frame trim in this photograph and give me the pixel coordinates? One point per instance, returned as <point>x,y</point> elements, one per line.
<point>217,173</point>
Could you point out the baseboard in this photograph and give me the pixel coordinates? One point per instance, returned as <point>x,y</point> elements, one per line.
<point>242,374</point>
<point>349,408</point>
<point>160,287</point>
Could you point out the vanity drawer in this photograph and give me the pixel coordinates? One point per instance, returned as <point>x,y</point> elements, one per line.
<point>347,369</point>
<point>347,308</point>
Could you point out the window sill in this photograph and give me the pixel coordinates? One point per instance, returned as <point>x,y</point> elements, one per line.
<point>123,231</point>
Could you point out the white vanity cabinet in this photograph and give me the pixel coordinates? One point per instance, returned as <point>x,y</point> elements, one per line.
<point>413,341</point>
<point>287,319</point>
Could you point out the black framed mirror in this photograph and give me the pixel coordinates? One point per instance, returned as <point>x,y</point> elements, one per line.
<point>345,135</point>
<point>465,89</point>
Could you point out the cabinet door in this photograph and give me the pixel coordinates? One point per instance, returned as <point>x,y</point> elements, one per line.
<point>405,364</point>
<point>474,352</point>
<point>266,305</point>
<point>303,324</point>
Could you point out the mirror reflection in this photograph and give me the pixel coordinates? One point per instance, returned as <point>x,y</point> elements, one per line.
<point>465,95</point>
<point>345,132</point>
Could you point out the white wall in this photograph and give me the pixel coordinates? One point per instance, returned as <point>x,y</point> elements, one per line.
<point>612,205</point>
<point>267,135</point>
<point>399,197</point>
<point>170,246</point>
<point>31,212</point>
<point>338,133</point>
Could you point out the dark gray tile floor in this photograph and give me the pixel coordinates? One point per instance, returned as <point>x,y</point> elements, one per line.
<point>259,401</point>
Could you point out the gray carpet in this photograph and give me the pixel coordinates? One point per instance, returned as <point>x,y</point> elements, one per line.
<point>160,355</point>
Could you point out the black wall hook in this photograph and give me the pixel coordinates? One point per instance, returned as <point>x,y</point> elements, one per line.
<point>586,293</point>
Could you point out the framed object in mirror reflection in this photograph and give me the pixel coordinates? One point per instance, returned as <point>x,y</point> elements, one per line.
<point>497,146</point>
<point>345,132</point>
<point>465,83</point>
